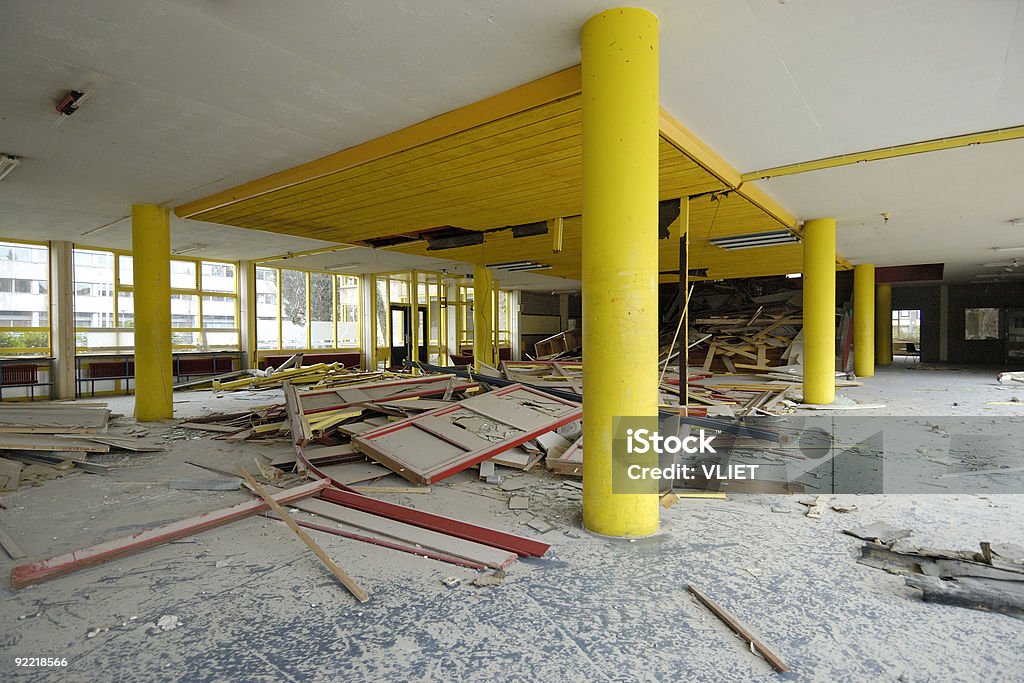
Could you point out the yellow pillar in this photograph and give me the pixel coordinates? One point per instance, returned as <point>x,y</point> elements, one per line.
<point>864,320</point>
<point>483,317</point>
<point>151,249</point>
<point>620,254</point>
<point>820,310</point>
<point>883,325</point>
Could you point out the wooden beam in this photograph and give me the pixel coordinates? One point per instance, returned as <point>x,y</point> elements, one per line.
<point>324,558</point>
<point>740,630</point>
<point>59,565</point>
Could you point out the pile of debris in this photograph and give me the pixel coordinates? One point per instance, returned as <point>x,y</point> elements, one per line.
<point>748,331</point>
<point>40,441</point>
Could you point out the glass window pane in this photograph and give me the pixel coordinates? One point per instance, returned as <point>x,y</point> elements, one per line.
<point>348,311</point>
<point>24,343</point>
<point>185,341</point>
<point>981,323</point>
<point>219,312</point>
<point>94,288</point>
<point>266,309</point>
<point>226,340</point>
<point>218,277</point>
<point>126,270</point>
<point>382,312</point>
<point>183,275</point>
<point>184,310</point>
<point>321,309</point>
<point>294,320</point>
<point>126,309</point>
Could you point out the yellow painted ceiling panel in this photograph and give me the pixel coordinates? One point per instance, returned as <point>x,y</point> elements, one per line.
<point>518,159</point>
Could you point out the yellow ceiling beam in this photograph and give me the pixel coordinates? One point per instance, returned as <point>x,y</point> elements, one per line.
<point>937,145</point>
<point>562,84</point>
<point>689,144</point>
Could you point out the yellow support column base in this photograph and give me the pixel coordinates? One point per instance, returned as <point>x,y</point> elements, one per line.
<point>620,254</point>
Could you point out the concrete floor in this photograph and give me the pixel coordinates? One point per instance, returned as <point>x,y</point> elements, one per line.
<point>255,605</point>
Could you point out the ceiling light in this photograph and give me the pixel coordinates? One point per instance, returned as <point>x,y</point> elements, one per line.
<point>189,248</point>
<point>534,266</point>
<point>509,264</point>
<point>793,276</point>
<point>1007,248</point>
<point>7,164</point>
<point>755,240</point>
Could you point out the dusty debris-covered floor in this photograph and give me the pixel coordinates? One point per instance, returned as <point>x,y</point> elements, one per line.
<point>253,604</point>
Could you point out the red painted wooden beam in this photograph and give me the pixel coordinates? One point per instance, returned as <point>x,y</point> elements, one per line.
<point>519,545</point>
<point>422,552</point>
<point>59,565</point>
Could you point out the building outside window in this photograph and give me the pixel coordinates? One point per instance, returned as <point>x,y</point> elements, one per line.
<point>24,299</point>
<point>204,303</point>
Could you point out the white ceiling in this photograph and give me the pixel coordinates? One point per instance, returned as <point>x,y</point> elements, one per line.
<point>194,96</point>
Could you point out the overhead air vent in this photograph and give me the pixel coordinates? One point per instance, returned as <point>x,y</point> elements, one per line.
<point>755,240</point>
<point>450,237</point>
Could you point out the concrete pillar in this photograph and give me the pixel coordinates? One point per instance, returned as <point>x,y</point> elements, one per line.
<point>62,319</point>
<point>883,325</point>
<point>864,320</point>
<point>820,311</point>
<point>151,242</point>
<point>620,254</point>
<point>483,317</point>
<point>247,312</point>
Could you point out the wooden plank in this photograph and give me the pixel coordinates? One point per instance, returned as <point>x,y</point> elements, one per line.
<point>127,444</point>
<point>27,442</point>
<point>301,432</point>
<point>740,630</point>
<point>324,558</point>
<point>710,357</point>
<point>494,538</point>
<point>53,460</point>
<point>391,489</point>
<point>66,563</point>
<point>408,533</point>
<point>10,546</point>
<point>385,543</point>
<point>211,427</point>
<point>424,458</point>
<point>353,472</point>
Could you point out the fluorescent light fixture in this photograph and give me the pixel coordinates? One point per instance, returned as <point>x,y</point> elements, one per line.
<point>509,264</point>
<point>515,266</point>
<point>793,276</point>
<point>755,240</point>
<point>189,248</point>
<point>7,164</point>
<point>1007,248</point>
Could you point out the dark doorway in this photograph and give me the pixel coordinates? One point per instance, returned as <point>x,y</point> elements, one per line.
<point>401,333</point>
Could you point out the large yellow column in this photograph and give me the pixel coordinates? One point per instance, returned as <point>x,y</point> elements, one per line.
<point>864,320</point>
<point>883,325</point>
<point>483,317</point>
<point>820,310</point>
<point>151,249</point>
<point>620,254</point>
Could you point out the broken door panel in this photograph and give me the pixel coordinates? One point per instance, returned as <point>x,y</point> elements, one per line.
<point>429,447</point>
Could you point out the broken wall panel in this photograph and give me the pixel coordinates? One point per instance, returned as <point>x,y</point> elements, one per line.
<point>429,447</point>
